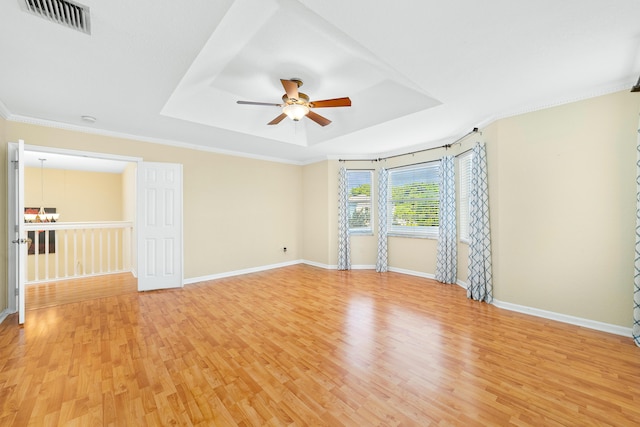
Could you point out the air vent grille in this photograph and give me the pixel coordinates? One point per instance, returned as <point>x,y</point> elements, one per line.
<point>64,12</point>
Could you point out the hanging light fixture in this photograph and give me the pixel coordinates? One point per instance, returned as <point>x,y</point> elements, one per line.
<point>42,215</point>
<point>296,108</point>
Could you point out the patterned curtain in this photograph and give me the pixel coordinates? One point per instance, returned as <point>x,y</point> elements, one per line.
<point>344,249</point>
<point>383,179</point>
<point>480,280</point>
<point>447,252</point>
<point>635,331</point>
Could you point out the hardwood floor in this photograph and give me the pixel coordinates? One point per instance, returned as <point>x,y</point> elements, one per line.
<point>305,346</point>
<point>75,290</point>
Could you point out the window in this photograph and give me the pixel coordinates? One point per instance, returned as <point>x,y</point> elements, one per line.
<point>464,168</point>
<point>359,208</point>
<point>414,202</point>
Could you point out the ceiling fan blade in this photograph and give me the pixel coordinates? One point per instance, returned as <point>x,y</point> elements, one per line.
<point>291,88</point>
<point>277,119</point>
<point>322,121</point>
<point>259,103</point>
<point>336,102</point>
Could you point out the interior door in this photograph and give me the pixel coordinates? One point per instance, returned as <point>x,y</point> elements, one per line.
<point>17,236</point>
<point>159,224</point>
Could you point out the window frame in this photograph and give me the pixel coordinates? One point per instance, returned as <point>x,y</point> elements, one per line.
<point>360,231</point>
<point>432,169</point>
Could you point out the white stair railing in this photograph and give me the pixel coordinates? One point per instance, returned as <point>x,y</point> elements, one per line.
<point>65,250</point>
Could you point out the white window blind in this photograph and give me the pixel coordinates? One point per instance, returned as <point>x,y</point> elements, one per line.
<point>414,200</point>
<point>464,168</point>
<point>359,210</point>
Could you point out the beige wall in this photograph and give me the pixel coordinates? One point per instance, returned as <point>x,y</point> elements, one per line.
<point>77,195</point>
<point>562,200</point>
<point>315,213</point>
<point>238,213</point>
<point>565,207</point>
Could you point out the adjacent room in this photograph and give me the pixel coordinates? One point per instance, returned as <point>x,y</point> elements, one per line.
<point>288,213</point>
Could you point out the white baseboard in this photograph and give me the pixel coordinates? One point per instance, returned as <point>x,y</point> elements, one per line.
<point>239,272</point>
<point>412,273</point>
<point>565,318</point>
<point>363,267</point>
<point>4,314</point>
<point>319,265</point>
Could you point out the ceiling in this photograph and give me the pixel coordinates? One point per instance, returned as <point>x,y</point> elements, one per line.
<point>420,73</point>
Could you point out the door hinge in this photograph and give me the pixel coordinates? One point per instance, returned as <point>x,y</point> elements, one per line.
<point>15,164</point>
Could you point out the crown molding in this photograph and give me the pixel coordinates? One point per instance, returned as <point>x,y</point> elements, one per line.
<point>601,90</point>
<point>172,143</point>
<point>4,111</point>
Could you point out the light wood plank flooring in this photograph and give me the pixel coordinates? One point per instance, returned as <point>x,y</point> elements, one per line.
<point>50,294</point>
<point>305,346</point>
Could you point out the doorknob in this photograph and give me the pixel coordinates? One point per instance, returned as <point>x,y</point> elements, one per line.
<point>21,241</point>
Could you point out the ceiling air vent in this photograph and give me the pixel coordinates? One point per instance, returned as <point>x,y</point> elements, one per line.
<point>64,12</point>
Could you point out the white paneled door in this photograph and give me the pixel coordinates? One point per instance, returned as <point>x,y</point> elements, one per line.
<point>159,224</point>
<point>17,234</point>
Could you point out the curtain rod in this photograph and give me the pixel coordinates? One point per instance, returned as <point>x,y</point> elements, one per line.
<point>447,146</point>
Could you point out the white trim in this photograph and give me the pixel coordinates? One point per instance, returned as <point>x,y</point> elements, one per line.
<point>4,111</point>
<point>239,272</point>
<point>319,265</point>
<point>172,143</point>
<point>363,267</point>
<point>462,284</point>
<point>79,153</point>
<point>4,314</point>
<point>412,273</point>
<point>565,318</point>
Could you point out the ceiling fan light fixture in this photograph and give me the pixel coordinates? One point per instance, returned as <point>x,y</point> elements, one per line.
<point>295,111</point>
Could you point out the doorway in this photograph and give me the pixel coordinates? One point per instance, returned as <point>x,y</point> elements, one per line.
<point>154,201</point>
<point>78,263</point>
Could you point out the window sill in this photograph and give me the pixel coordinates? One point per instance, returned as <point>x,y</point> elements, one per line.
<point>414,236</point>
<point>360,233</point>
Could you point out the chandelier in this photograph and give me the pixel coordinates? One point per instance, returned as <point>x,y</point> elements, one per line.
<point>42,215</point>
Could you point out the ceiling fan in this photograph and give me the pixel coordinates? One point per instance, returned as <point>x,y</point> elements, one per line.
<point>296,104</point>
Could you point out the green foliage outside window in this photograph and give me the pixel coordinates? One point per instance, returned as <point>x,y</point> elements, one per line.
<point>415,204</point>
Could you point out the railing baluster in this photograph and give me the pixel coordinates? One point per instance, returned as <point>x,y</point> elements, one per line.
<point>89,259</point>
<point>115,246</point>
<point>93,251</point>
<point>101,255</point>
<point>75,252</point>
<point>66,253</point>
<point>84,252</point>
<point>109,252</point>
<point>36,253</point>
<point>56,254</point>
<point>46,255</point>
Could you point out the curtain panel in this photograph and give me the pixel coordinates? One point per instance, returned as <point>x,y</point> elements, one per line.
<point>447,250</point>
<point>635,330</point>
<point>344,249</point>
<point>383,179</point>
<point>480,281</point>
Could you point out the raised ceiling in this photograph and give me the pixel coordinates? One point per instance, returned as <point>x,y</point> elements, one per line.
<point>419,73</point>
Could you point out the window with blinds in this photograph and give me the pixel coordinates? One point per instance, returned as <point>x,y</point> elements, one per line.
<point>413,198</point>
<point>359,208</point>
<point>464,172</point>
